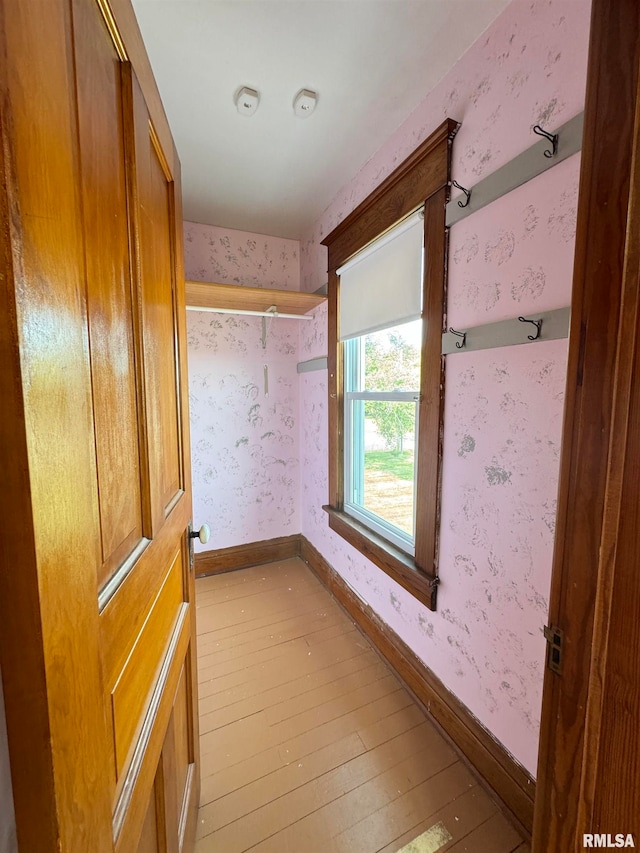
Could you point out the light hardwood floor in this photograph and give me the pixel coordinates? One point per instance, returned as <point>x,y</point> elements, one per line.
<point>309,743</point>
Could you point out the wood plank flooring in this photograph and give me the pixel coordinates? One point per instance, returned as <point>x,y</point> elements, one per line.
<point>309,743</point>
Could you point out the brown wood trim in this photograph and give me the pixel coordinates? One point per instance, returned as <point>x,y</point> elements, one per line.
<point>430,432</point>
<point>398,565</point>
<point>610,795</point>
<point>382,211</point>
<point>423,173</point>
<point>335,368</point>
<point>603,209</point>
<point>241,556</point>
<point>514,787</point>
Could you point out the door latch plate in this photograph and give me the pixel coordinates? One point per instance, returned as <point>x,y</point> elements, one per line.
<point>555,639</point>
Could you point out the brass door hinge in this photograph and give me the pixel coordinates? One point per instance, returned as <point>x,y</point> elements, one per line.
<point>555,638</point>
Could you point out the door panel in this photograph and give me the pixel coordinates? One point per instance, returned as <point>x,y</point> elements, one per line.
<point>156,229</point>
<point>176,772</point>
<point>149,841</point>
<point>128,608</point>
<point>110,305</point>
<point>136,783</point>
<point>181,737</point>
<point>132,691</point>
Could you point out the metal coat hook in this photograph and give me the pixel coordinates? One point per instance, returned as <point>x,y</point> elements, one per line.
<point>463,335</point>
<point>536,323</point>
<point>552,137</point>
<point>466,192</point>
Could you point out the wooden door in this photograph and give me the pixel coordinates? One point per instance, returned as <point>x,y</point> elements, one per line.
<point>589,748</point>
<point>98,630</point>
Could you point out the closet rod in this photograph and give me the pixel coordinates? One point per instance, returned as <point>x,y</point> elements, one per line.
<point>252,313</point>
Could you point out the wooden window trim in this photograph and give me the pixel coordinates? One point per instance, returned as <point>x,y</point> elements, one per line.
<point>423,178</point>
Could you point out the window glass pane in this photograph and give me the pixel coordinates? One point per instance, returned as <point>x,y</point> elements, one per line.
<point>383,436</point>
<point>392,358</point>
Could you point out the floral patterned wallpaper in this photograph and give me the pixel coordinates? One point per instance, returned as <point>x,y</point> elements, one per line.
<point>260,461</point>
<point>503,407</point>
<point>227,256</point>
<point>244,421</point>
<point>528,67</point>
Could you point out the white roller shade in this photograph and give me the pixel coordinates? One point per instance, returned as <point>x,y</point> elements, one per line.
<point>381,286</point>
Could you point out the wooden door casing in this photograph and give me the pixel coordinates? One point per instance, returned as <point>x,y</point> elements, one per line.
<point>610,796</point>
<point>98,652</point>
<point>588,742</point>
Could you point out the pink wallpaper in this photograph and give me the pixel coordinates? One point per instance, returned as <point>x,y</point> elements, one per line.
<point>503,407</point>
<point>227,256</point>
<point>244,436</point>
<point>528,67</point>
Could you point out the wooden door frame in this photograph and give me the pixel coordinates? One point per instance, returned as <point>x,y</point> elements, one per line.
<point>596,370</point>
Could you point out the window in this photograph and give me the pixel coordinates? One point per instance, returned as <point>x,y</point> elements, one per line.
<point>386,372</point>
<point>381,395</point>
<point>379,308</point>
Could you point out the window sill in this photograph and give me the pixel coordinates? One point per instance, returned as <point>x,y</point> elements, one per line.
<point>398,565</point>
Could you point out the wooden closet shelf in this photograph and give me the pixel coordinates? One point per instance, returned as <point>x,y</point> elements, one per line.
<point>236,297</point>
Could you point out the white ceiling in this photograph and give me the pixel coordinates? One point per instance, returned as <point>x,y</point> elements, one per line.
<point>370,61</point>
